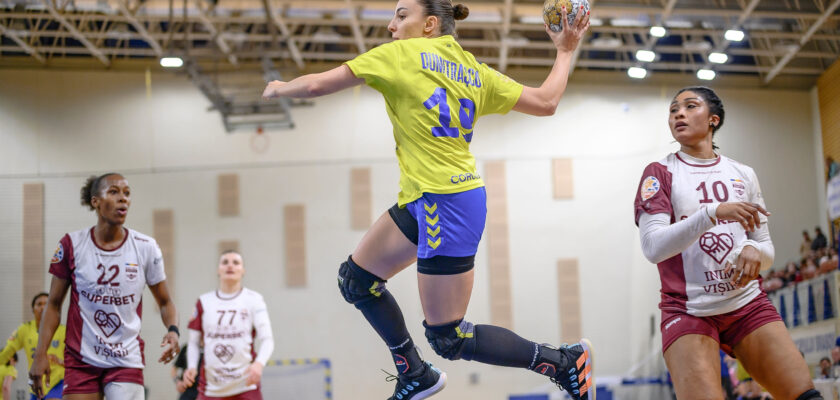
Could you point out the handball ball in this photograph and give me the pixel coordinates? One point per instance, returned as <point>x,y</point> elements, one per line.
<point>552,12</point>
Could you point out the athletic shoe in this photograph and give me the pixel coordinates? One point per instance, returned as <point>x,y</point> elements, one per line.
<point>569,367</point>
<point>431,381</point>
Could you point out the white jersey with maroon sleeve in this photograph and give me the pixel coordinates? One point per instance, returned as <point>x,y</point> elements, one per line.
<point>694,281</point>
<point>104,318</point>
<point>228,325</point>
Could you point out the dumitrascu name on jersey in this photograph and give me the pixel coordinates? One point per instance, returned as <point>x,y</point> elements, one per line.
<point>454,71</point>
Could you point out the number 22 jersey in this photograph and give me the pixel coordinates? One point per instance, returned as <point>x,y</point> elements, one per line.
<point>434,91</point>
<point>694,280</point>
<point>106,293</point>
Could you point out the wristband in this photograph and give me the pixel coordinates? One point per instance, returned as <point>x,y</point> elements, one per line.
<point>173,328</point>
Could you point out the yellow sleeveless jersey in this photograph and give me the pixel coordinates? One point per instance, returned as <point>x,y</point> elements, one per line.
<point>434,92</point>
<point>26,338</point>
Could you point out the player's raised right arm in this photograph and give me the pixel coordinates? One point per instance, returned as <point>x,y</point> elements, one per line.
<point>49,323</point>
<point>313,85</point>
<point>543,101</point>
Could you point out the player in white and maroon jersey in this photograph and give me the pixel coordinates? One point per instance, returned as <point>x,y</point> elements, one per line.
<point>229,321</point>
<point>106,268</point>
<point>701,218</point>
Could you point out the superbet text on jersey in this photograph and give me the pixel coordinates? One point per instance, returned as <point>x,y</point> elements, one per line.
<point>695,281</point>
<point>103,322</point>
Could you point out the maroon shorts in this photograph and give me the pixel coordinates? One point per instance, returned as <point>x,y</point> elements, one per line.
<point>727,329</point>
<point>81,379</point>
<point>249,395</point>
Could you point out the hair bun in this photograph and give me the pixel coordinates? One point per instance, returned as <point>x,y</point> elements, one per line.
<point>460,11</point>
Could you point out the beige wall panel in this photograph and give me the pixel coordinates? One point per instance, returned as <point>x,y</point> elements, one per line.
<point>498,244</point>
<point>568,294</point>
<point>361,203</point>
<point>561,172</point>
<point>164,234</point>
<point>828,87</point>
<point>33,242</point>
<point>228,195</point>
<point>225,245</point>
<point>295,232</point>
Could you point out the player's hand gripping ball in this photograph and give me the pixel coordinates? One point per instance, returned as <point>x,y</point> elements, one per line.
<point>552,12</point>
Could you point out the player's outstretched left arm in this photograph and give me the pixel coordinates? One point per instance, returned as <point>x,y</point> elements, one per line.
<point>543,101</point>
<point>313,85</point>
<point>169,315</point>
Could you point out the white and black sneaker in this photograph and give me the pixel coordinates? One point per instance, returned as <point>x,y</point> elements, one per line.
<point>569,367</point>
<point>423,386</point>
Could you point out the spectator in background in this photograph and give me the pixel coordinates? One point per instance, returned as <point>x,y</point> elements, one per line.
<point>725,379</point>
<point>809,269</point>
<point>819,240</point>
<point>774,281</point>
<point>825,368</point>
<point>805,247</point>
<point>791,275</point>
<point>8,373</point>
<point>831,168</point>
<point>828,262</point>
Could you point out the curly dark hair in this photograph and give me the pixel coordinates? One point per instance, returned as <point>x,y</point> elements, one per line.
<point>92,187</point>
<point>712,100</point>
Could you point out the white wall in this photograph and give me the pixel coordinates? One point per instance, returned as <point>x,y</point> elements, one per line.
<point>58,127</point>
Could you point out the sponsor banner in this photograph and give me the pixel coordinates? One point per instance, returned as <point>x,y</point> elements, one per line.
<point>833,197</point>
<point>815,340</point>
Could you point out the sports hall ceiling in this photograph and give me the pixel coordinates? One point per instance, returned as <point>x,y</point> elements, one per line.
<point>787,43</point>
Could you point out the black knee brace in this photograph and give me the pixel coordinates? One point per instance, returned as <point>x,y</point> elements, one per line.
<point>357,285</point>
<point>452,341</point>
<point>811,394</point>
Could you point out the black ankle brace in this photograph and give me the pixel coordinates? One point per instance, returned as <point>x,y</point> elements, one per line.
<point>811,394</point>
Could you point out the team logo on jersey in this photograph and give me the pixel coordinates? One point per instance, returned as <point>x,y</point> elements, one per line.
<point>739,187</point>
<point>108,322</point>
<point>131,271</point>
<point>59,254</point>
<point>650,187</point>
<point>55,343</point>
<point>717,246</point>
<point>224,352</point>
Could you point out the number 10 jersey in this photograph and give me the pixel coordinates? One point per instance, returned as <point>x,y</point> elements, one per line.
<point>695,281</point>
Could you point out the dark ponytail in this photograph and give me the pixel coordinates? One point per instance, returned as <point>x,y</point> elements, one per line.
<point>447,13</point>
<point>92,188</point>
<point>714,103</point>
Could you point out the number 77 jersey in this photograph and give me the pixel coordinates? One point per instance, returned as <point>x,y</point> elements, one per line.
<point>694,281</point>
<point>434,92</point>
<point>228,325</point>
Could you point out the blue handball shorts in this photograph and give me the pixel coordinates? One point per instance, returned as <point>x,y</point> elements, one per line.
<point>55,393</point>
<point>446,229</point>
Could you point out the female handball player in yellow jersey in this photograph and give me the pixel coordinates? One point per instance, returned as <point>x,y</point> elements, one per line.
<point>434,92</point>
<point>26,338</point>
